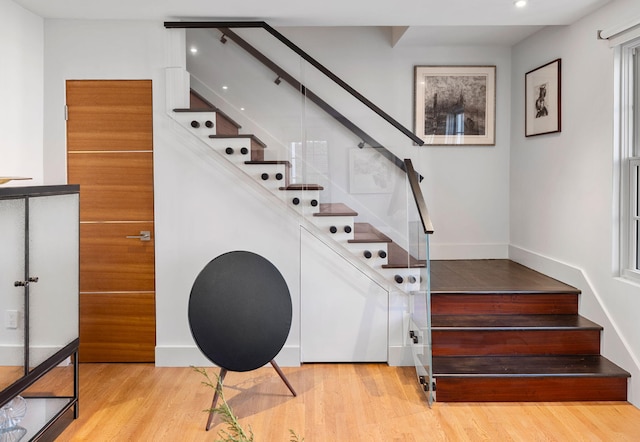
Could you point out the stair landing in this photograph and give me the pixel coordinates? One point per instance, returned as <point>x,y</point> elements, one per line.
<point>491,275</point>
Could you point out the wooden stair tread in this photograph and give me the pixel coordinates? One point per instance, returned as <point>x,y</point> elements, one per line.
<point>302,187</point>
<point>512,322</point>
<point>209,109</point>
<point>525,366</point>
<point>196,109</point>
<point>399,258</point>
<point>491,276</point>
<point>285,163</point>
<point>365,232</point>
<point>250,136</point>
<point>335,209</point>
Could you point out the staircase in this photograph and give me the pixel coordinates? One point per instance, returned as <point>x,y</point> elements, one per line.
<point>336,220</point>
<point>502,332</point>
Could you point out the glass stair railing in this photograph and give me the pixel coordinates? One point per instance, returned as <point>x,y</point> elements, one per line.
<point>320,148</point>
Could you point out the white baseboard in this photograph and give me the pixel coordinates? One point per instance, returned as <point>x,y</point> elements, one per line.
<point>400,356</point>
<point>591,306</point>
<point>174,356</point>
<point>469,251</point>
<point>186,356</point>
<point>13,355</point>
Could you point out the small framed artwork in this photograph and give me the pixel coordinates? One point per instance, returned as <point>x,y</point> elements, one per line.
<point>455,105</point>
<point>542,99</point>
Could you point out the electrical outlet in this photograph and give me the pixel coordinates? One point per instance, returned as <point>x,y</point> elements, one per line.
<point>11,319</point>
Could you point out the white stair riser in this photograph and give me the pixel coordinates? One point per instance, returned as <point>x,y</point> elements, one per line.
<point>185,118</point>
<point>255,171</point>
<point>305,198</point>
<point>339,222</point>
<point>221,145</point>
<point>375,261</point>
<point>406,274</point>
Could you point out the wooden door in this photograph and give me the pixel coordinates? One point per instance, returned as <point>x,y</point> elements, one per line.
<point>110,154</point>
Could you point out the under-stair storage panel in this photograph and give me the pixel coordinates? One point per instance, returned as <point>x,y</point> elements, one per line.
<point>39,260</point>
<point>344,314</point>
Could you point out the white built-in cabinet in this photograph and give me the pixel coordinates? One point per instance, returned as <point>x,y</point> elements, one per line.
<point>39,310</point>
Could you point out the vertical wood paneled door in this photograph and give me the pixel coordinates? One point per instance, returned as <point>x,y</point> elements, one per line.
<point>110,154</point>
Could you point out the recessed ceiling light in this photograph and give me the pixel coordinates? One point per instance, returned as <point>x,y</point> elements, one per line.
<point>520,3</point>
<point>194,50</point>
<point>224,88</point>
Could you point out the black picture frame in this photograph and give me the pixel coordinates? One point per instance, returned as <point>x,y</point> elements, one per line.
<point>455,105</point>
<point>543,99</point>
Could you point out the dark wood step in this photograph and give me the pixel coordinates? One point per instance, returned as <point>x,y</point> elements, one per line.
<point>512,322</point>
<point>399,258</point>
<point>366,233</point>
<point>529,378</point>
<point>224,125</point>
<point>256,146</point>
<point>491,276</point>
<point>478,335</point>
<point>504,303</point>
<point>335,209</point>
<point>302,187</point>
<point>284,163</point>
<point>254,140</point>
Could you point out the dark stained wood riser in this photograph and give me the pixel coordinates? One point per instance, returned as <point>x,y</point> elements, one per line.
<point>504,303</point>
<point>520,342</point>
<point>530,389</point>
<point>483,335</point>
<point>529,378</point>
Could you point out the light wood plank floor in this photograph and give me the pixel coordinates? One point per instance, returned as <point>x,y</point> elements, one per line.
<point>336,402</point>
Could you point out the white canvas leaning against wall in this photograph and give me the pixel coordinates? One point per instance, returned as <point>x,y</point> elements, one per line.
<point>369,172</point>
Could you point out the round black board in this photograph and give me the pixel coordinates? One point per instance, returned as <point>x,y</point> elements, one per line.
<point>240,311</point>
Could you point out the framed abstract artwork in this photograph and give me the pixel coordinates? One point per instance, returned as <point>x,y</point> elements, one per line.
<point>455,105</point>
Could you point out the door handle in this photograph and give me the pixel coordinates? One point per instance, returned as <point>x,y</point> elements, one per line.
<point>145,235</point>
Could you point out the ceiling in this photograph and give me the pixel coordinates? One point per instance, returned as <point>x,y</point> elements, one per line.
<point>446,21</point>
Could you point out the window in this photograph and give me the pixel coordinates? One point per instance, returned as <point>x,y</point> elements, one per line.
<point>634,210</point>
<point>629,156</point>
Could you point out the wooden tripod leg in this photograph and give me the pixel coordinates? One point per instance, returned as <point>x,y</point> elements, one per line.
<point>283,377</point>
<point>223,373</point>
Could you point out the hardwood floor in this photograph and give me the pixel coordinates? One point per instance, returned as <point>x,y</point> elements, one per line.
<point>335,402</point>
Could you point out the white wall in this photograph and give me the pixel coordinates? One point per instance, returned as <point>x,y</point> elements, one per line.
<point>21,89</point>
<point>466,188</point>
<point>562,185</point>
<point>87,50</point>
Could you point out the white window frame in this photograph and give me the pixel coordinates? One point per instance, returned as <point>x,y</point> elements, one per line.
<point>628,158</point>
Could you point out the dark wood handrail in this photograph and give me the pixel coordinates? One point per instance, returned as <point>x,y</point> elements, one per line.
<point>306,57</point>
<point>427,226</point>
<point>406,165</point>
<point>285,76</point>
